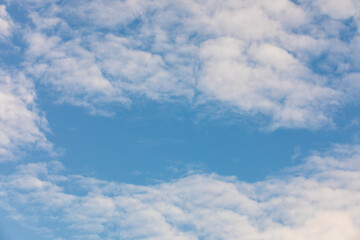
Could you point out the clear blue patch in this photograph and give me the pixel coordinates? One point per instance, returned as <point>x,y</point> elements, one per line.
<point>151,142</point>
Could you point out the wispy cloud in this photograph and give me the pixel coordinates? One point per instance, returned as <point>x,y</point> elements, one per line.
<point>318,200</point>
<point>22,124</point>
<point>6,24</point>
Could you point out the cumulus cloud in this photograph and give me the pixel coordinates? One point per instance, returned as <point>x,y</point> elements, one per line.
<point>283,60</point>
<point>317,200</point>
<point>21,123</point>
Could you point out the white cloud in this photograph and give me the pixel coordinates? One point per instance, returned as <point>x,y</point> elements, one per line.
<point>71,70</point>
<point>337,9</point>
<point>266,79</point>
<point>280,59</point>
<point>97,70</point>
<point>138,71</point>
<point>6,24</point>
<point>317,200</point>
<point>21,123</point>
<point>106,13</point>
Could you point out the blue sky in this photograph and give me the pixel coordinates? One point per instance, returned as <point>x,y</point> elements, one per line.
<point>179,119</point>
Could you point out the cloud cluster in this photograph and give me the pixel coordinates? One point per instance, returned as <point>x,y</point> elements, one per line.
<point>290,61</point>
<point>287,61</point>
<point>99,76</point>
<point>317,200</point>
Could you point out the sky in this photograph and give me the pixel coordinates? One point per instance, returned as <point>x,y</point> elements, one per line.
<point>182,120</point>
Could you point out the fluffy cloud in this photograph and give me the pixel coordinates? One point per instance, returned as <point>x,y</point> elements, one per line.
<point>21,123</point>
<point>283,60</point>
<point>317,200</point>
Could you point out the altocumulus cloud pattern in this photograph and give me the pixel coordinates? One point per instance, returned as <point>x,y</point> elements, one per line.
<point>284,65</point>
